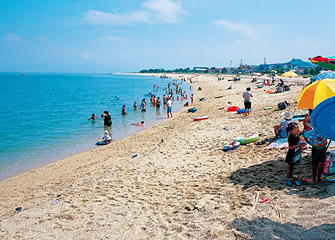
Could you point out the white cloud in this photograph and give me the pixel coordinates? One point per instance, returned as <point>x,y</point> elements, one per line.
<point>240,28</point>
<point>13,37</point>
<point>165,10</point>
<point>154,11</point>
<point>111,19</point>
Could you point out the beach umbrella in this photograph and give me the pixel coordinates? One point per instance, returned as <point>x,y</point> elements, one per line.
<point>324,75</point>
<point>290,74</point>
<point>326,62</point>
<point>323,118</point>
<point>315,93</point>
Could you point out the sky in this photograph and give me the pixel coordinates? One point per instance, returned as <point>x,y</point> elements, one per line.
<point>104,36</point>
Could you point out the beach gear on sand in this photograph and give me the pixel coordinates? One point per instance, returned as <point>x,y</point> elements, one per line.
<point>267,108</point>
<point>323,118</point>
<point>260,86</point>
<point>219,96</point>
<point>247,138</point>
<point>269,91</point>
<point>202,99</point>
<point>192,110</point>
<point>231,146</point>
<point>232,109</point>
<point>242,110</point>
<point>102,142</point>
<point>264,200</point>
<point>200,118</point>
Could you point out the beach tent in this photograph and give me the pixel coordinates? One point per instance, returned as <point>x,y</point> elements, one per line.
<point>315,93</point>
<point>290,74</point>
<point>326,62</point>
<point>324,75</point>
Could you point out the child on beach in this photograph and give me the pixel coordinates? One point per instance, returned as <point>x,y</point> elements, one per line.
<point>319,151</point>
<point>247,101</point>
<point>107,138</point>
<point>280,129</point>
<point>293,156</point>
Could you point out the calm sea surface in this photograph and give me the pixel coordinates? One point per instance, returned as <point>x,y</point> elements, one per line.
<point>44,116</point>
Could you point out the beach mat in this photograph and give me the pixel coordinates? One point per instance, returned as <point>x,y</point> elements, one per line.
<point>281,143</point>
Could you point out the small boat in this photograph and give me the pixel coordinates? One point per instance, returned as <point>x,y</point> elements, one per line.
<point>200,118</point>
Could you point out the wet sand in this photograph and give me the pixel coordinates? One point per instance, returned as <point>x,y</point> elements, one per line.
<point>181,185</point>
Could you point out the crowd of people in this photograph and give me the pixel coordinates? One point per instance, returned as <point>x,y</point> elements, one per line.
<point>173,88</point>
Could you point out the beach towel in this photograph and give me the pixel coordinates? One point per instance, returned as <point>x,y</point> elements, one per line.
<point>281,143</point>
<point>328,174</point>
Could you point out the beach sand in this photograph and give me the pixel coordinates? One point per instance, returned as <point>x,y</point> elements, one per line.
<point>181,185</point>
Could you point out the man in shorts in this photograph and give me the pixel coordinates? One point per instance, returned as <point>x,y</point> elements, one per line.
<point>247,101</point>
<point>169,107</point>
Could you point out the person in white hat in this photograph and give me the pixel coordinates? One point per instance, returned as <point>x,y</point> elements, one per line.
<point>107,138</point>
<point>280,129</point>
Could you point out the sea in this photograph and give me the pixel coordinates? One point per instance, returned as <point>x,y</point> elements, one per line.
<point>44,116</point>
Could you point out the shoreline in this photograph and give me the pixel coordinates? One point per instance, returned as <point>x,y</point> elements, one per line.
<point>105,192</point>
<point>152,118</point>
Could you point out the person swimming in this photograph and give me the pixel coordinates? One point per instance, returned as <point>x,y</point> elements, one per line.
<point>93,117</point>
<point>141,124</point>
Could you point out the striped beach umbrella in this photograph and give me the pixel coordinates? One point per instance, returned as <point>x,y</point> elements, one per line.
<point>326,62</point>
<point>315,93</point>
<point>324,75</point>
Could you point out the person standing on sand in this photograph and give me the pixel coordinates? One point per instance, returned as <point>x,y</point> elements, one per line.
<point>169,109</point>
<point>247,101</point>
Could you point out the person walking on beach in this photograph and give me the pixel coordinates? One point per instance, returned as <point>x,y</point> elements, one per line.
<point>107,119</point>
<point>247,101</point>
<point>169,107</point>
<point>192,99</point>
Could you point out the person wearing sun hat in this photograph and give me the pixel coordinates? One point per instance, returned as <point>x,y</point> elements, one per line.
<point>280,129</point>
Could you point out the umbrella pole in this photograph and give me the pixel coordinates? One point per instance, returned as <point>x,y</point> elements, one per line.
<point>328,145</point>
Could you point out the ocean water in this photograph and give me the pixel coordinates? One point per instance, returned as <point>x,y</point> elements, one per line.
<point>44,117</point>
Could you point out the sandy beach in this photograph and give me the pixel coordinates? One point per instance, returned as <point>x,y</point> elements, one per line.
<point>181,185</point>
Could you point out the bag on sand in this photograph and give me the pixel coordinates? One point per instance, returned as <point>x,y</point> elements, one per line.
<point>282,105</point>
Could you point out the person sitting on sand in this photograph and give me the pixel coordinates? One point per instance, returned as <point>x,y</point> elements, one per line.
<point>141,124</point>
<point>199,88</point>
<point>93,117</point>
<point>107,138</point>
<point>280,129</point>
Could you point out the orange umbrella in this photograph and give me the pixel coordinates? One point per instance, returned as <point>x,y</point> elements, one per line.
<point>315,93</point>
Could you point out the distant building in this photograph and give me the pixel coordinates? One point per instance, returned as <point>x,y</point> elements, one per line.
<point>200,69</point>
<point>294,64</point>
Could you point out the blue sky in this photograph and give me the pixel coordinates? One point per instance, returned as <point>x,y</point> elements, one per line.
<point>130,35</point>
